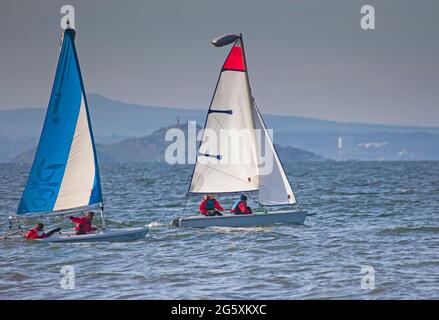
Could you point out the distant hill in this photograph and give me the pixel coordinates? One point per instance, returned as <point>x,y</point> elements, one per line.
<point>152,148</point>
<point>10,147</point>
<point>290,154</point>
<point>109,117</point>
<point>115,121</point>
<point>121,119</point>
<point>144,149</point>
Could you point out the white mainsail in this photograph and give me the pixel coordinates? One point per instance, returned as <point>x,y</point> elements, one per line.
<point>229,114</point>
<point>232,111</point>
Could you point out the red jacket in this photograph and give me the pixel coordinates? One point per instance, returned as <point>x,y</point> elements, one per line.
<point>82,221</point>
<point>242,207</point>
<point>35,234</point>
<point>203,206</point>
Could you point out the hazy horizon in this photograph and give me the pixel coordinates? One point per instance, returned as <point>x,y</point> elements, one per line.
<point>205,110</point>
<point>306,58</point>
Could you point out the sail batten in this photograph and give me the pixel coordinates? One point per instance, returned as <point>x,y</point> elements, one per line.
<point>64,173</point>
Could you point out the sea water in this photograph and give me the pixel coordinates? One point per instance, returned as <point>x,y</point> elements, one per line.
<point>369,216</point>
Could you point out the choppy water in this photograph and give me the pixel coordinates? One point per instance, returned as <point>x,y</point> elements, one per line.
<point>382,214</point>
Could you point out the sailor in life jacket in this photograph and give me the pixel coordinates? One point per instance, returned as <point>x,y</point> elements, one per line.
<point>38,232</point>
<point>84,224</point>
<point>210,206</point>
<point>240,206</point>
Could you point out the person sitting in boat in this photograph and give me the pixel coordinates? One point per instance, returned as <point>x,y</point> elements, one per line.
<point>38,232</point>
<point>240,206</point>
<point>84,224</point>
<point>210,206</point>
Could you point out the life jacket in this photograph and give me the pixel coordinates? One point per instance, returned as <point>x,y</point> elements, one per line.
<point>86,225</point>
<point>241,207</point>
<point>235,205</point>
<point>210,204</point>
<point>82,223</point>
<point>35,234</point>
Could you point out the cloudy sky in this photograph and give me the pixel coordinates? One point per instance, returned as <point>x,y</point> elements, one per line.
<point>306,58</point>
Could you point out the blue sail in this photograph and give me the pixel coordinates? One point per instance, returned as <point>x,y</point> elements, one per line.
<point>65,173</point>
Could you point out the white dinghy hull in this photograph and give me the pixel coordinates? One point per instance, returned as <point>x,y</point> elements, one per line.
<point>121,235</point>
<point>248,220</point>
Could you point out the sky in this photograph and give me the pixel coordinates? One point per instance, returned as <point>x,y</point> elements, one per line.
<point>305,58</point>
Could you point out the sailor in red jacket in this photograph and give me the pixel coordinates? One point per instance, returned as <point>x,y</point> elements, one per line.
<point>38,232</point>
<point>83,224</point>
<point>240,206</point>
<point>210,206</point>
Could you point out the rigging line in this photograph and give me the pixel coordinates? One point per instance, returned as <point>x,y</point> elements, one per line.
<point>3,224</point>
<point>215,117</point>
<point>217,122</point>
<point>228,174</point>
<point>56,225</point>
<point>223,172</point>
<point>10,234</point>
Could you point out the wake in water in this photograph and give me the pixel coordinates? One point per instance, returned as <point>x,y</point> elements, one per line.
<point>156,225</point>
<point>241,229</point>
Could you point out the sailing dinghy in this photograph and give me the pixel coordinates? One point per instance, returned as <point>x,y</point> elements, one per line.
<point>233,108</point>
<point>64,178</point>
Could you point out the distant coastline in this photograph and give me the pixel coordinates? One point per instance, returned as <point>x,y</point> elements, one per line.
<point>151,148</point>
<point>116,121</point>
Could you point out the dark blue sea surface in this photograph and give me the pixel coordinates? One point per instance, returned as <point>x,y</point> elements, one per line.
<point>379,214</point>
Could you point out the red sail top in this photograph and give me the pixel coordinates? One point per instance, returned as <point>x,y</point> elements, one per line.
<point>235,60</point>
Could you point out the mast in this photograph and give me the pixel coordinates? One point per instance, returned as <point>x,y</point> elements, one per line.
<point>246,69</point>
